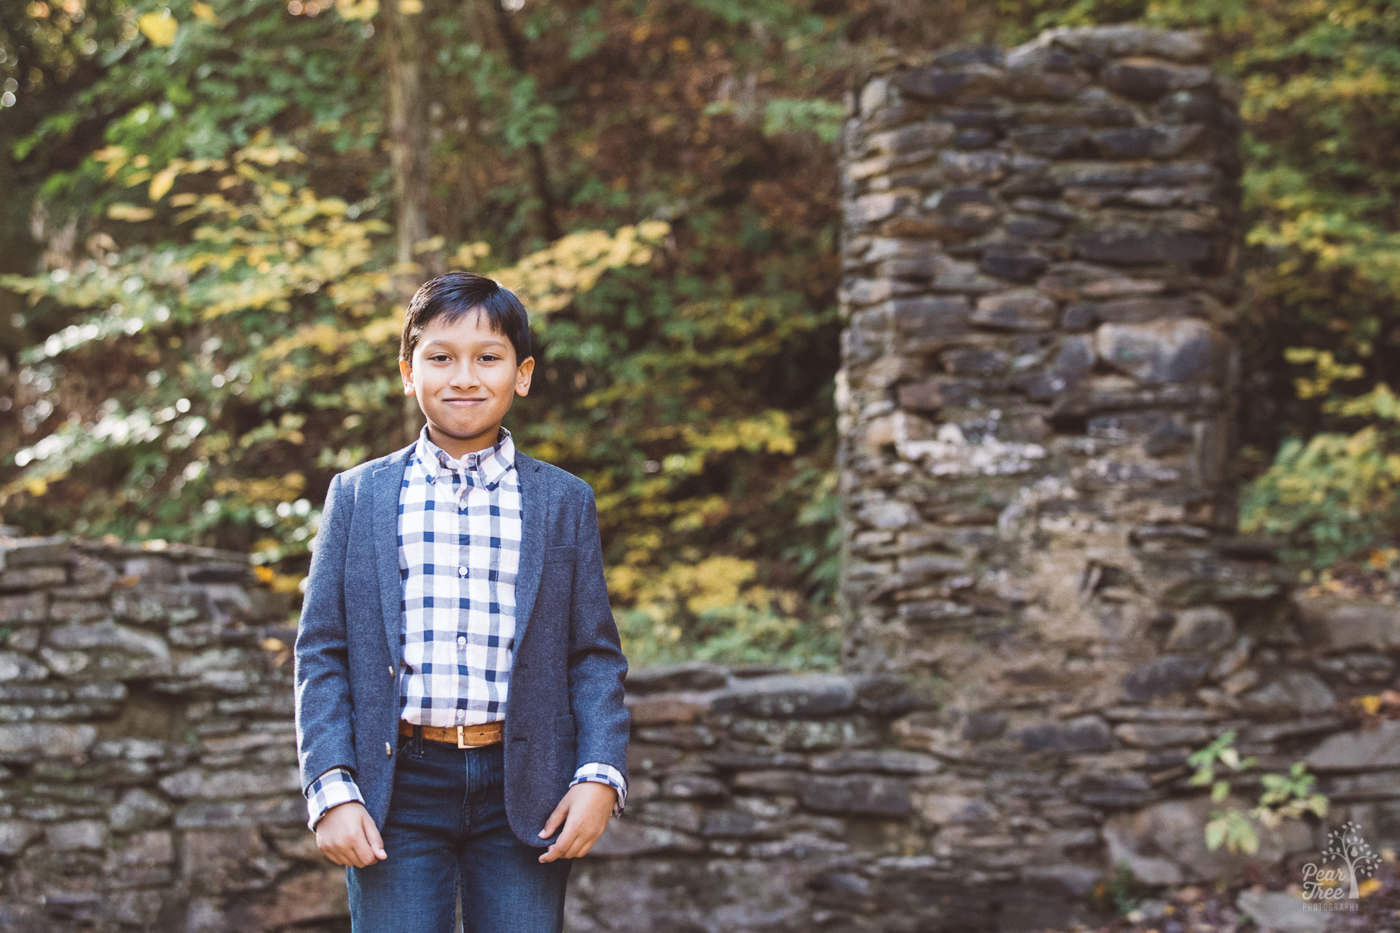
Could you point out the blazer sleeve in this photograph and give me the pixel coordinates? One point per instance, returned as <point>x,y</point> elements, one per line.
<point>323,727</point>
<point>597,666</point>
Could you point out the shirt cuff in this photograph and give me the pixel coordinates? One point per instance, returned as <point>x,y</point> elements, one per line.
<point>604,774</point>
<point>331,789</point>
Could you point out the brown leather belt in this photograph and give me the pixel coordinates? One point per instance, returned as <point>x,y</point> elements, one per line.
<point>488,733</point>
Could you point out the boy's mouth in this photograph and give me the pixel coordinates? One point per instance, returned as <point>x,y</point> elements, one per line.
<point>463,401</point>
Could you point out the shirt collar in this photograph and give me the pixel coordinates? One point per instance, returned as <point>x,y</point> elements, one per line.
<point>485,467</point>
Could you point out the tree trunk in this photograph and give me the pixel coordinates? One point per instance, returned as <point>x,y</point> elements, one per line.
<point>539,170</point>
<point>408,155</point>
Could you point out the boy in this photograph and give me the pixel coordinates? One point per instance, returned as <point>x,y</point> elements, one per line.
<point>459,675</point>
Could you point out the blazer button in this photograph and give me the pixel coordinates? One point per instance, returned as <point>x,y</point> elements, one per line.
<point>391,671</point>
<point>387,749</point>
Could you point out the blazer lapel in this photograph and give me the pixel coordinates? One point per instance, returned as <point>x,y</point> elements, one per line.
<point>534,506</point>
<point>385,482</point>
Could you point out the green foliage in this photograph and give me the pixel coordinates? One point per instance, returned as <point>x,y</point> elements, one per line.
<point>1337,494</point>
<point>1285,796</point>
<point>215,330</point>
<point>821,117</point>
<point>211,329</point>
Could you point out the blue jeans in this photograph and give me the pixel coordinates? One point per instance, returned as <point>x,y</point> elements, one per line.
<point>446,830</point>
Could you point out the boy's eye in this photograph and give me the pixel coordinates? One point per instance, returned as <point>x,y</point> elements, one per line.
<point>489,356</point>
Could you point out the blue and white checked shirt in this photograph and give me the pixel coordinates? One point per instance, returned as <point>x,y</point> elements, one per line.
<point>459,550</point>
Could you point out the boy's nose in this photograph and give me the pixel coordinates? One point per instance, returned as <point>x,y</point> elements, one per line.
<point>464,376</point>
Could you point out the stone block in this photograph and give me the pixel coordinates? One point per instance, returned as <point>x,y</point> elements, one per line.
<point>1338,623</point>
<point>881,760</point>
<point>1052,141</point>
<point>1017,309</point>
<point>31,578</point>
<point>1143,78</point>
<point>626,838</point>
<point>297,900</point>
<point>650,709</point>
<point>139,809</point>
<point>1183,350</point>
<point>16,834</point>
<point>1201,630</point>
<point>942,809</point>
<point>1168,674</point>
<point>1142,245</point>
<point>1080,734</point>
<point>1147,142</point>
<point>26,741</point>
<point>18,667</point>
<point>976,167</point>
<point>1164,844</point>
<point>866,795</point>
<point>24,608</point>
<point>77,834</point>
<point>1361,749</point>
<point>1102,42</point>
<point>31,552</point>
<point>1291,692</point>
<point>785,695</point>
<point>76,610</point>
<point>935,84</point>
<point>1012,261</point>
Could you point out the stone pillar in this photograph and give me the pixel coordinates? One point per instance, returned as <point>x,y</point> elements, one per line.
<point>1036,398</point>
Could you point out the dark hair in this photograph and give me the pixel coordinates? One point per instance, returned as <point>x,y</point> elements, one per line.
<point>452,295</point>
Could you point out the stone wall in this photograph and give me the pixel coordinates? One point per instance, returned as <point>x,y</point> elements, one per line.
<point>148,774</point>
<point>1038,407</point>
<point>150,781</point>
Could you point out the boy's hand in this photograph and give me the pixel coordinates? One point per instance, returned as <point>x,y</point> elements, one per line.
<point>584,811</point>
<point>347,836</point>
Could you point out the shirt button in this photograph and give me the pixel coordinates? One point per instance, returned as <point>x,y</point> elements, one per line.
<point>461,571</point>
<point>461,641</point>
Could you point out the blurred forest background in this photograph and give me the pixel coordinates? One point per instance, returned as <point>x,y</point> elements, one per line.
<point>214,212</point>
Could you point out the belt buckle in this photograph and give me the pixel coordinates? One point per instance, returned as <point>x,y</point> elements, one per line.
<point>461,737</point>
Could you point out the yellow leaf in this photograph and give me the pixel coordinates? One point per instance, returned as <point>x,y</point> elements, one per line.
<point>272,644</point>
<point>1371,704</point>
<point>162,182</point>
<point>410,7</point>
<point>357,9</point>
<point>430,245</point>
<point>205,13</point>
<point>130,212</point>
<point>1368,887</point>
<point>160,27</point>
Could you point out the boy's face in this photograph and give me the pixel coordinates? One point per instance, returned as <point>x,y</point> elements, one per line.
<point>465,376</point>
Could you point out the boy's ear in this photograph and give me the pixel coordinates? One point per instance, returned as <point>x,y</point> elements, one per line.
<point>407,372</point>
<point>523,372</point>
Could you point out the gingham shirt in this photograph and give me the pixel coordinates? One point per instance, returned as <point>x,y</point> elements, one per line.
<point>459,550</point>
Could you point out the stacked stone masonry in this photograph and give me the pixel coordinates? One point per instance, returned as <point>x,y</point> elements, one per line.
<point>1038,407</point>
<point>1047,610</point>
<point>149,775</point>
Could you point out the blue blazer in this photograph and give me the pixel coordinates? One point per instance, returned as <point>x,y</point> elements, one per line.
<point>564,707</point>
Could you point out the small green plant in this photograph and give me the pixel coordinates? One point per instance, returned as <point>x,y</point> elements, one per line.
<point>1117,890</point>
<point>1285,796</point>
